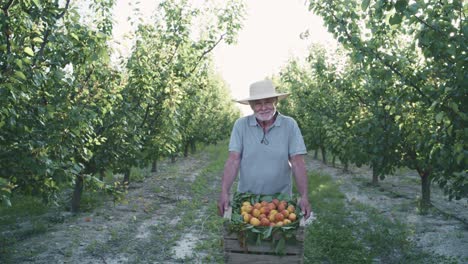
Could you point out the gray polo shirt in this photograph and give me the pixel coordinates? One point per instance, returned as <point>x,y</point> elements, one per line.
<point>265,169</point>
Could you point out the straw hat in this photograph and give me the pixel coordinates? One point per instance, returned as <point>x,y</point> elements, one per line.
<point>261,90</point>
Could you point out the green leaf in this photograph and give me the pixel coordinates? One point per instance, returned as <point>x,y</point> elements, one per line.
<point>29,51</point>
<point>267,232</point>
<point>395,19</point>
<point>401,5</point>
<point>439,117</point>
<point>259,239</point>
<point>20,75</point>
<point>73,35</point>
<point>37,40</point>
<point>460,158</point>
<point>37,3</point>
<point>6,201</point>
<point>365,5</point>
<point>454,107</point>
<point>19,63</point>
<point>281,247</point>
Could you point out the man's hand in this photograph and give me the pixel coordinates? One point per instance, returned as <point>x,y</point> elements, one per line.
<point>231,168</point>
<point>299,169</point>
<point>305,206</point>
<point>223,203</point>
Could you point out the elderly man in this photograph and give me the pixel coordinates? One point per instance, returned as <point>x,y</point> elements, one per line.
<point>265,148</point>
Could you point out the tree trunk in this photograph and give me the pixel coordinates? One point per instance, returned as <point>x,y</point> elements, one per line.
<point>346,169</point>
<point>193,147</point>
<point>173,158</point>
<point>333,161</point>
<point>316,154</point>
<point>425,189</point>
<point>76,197</point>
<point>324,155</point>
<point>102,174</point>
<point>126,179</point>
<point>186,150</point>
<point>154,166</point>
<point>375,177</point>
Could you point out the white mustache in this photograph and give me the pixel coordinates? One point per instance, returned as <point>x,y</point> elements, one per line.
<point>269,117</point>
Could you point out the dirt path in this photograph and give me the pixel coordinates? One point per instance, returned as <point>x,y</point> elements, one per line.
<point>165,217</point>
<point>147,227</point>
<point>443,230</point>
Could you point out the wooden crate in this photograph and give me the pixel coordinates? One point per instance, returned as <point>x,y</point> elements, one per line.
<point>263,253</point>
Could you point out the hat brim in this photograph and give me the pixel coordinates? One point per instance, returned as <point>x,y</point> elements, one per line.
<point>253,98</point>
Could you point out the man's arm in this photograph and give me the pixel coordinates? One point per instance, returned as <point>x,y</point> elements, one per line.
<point>300,175</point>
<point>231,168</point>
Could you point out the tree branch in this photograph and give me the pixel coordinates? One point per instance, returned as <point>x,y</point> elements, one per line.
<point>7,29</point>
<point>47,33</point>
<point>206,52</point>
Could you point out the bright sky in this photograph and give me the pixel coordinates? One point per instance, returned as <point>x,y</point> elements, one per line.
<point>269,38</point>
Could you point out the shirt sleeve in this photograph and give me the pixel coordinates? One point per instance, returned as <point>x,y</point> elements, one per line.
<point>296,141</point>
<point>235,143</point>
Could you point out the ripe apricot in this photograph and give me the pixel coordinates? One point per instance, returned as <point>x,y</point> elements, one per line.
<point>275,202</point>
<point>257,205</point>
<point>291,208</point>
<point>246,208</point>
<point>264,222</point>
<point>281,207</point>
<point>265,210</point>
<point>245,203</point>
<point>247,218</point>
<point>292,217</point>
<point>271,206</point>
<point>279,217</point>
<point>255,212</point>
<point>272,218</point>
<point>254,221</point>
<point>286,221</point>
<point>285,213</point>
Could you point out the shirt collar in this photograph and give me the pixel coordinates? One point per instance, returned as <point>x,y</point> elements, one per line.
<point>253,122</point>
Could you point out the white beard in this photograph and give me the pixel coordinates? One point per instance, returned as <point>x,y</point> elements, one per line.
<point>265,118</point>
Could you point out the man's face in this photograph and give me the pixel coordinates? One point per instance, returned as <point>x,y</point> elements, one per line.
<point>264,109</point>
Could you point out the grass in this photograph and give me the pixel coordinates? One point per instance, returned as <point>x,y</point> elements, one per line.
<point>20,221</point>
<point>356,233</point>
<point>208,249</point>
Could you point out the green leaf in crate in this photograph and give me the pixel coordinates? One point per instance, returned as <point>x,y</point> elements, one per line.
<point>267,198</point>
<point>259,239</point>
<point>281,246</point>
<point>267,232</point>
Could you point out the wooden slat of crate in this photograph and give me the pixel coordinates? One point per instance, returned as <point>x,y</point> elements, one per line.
<point>232,245</point>
<point>299,232</point>
<point>234,257</point>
